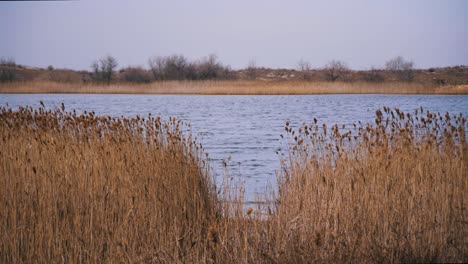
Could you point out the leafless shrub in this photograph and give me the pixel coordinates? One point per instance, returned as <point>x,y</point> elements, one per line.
<point>136,75</point>
<point>172,67</point>
<point>401,69</point>
<point>304,67</point>
<point>175,67</point>
<point>156,65</point>
<point>251,70</point>
<point>7,69</point>
<point>210,68</point>
<point>103,69</point>
<point>178,67</point>
<point>335,69</point>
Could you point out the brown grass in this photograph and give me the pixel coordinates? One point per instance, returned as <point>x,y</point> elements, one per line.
<point>234,88</point>
<point>82,188</point>
<point>391,192</point>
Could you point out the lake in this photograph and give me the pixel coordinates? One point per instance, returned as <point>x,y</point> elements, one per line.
<point>245,128</point>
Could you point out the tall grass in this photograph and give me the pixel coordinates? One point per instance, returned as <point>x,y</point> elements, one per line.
<point>82,188</point>
<point>238,87</point>
<point>394,191</point>
<point>85,188</point>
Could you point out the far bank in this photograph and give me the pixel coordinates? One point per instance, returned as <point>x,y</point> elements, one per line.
<point>233,87</point>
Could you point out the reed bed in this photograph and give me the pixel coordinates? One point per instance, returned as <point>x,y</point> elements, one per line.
<point>239,87</point>
<point>82,188</point>
<point>86,188</point>
<point>393,191</point>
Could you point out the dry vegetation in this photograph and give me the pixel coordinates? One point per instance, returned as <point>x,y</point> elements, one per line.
<point>239,87</point>
<point>84,188</point>
<point>391,192</point>
<point>177,74</point>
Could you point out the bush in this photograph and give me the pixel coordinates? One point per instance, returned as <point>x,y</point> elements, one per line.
<point>178,67</point>
<point>209,68</point>
<point>401,69</point>
<point>169,68</point>
<point>335,69</point>
<point>304,67</point>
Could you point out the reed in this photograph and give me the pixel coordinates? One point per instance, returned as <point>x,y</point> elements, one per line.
<point>394,191</point>
<point>86,188</point>
<point>83,188</point>
<point>239,87</point>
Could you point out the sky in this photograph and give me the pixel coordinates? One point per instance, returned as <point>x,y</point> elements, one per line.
<point>276,34</point>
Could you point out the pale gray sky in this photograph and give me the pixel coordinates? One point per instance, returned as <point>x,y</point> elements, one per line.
<point>273,33</point>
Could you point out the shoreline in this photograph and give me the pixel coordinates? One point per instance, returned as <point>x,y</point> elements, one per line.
<point>233,88</point>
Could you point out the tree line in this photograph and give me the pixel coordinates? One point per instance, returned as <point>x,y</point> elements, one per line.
<point>400,68</point>
<point>179,67</point>
<point>162,68</point>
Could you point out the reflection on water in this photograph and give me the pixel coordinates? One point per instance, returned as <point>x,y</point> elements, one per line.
<point>245,128</point>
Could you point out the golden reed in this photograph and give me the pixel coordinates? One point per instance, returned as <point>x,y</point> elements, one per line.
<point>86,188</point>
<point>237,87</point>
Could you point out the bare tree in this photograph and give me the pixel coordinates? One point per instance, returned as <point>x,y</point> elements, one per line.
<point>175,67</point>
<point>335,69</point>
<point>210,68</point>
<point>178,67</point>
<point>401,68</point>
<point>304,67</point>
<point>169,68</point>
<point>7,69</point>
<point>96,71</point>
<point>156,65</point>
<point>108,65</point>
<point>103,69</point>
<point>251,69</point>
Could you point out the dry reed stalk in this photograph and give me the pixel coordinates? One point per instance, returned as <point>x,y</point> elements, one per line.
<point>82,188</point>
<point>234,88</point>
<point>85,188</point>
<point>394,191</point>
